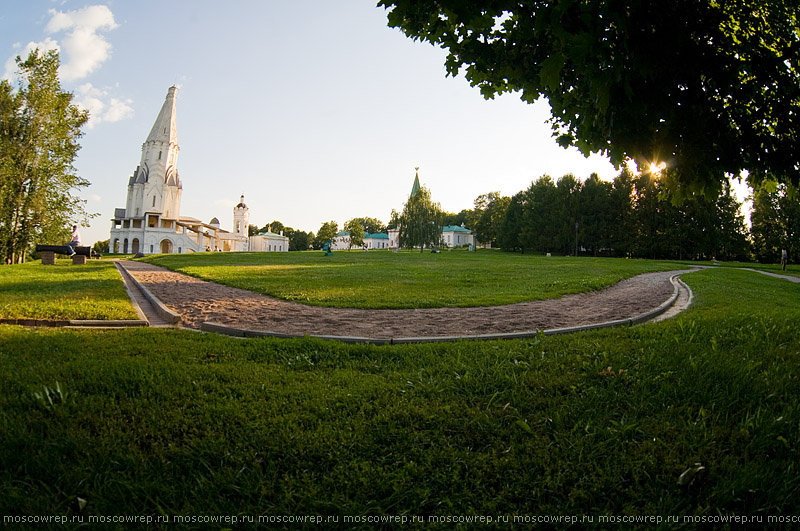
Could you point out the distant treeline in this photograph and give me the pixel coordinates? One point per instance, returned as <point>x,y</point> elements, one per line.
<point>634,216</point>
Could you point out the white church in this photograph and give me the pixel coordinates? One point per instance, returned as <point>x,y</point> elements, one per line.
<point>151,221</point>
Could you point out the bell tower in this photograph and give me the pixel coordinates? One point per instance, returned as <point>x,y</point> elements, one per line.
<point>241,217</point>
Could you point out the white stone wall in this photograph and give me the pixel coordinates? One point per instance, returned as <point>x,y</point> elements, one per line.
<point>376,243</point>
<point>394,238</point>
<point>269,243</point>
<point>150,241</point>
<point>457,239</point>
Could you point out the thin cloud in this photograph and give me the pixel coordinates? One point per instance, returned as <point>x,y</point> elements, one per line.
<point>84,48</point>
<point>102,108</point>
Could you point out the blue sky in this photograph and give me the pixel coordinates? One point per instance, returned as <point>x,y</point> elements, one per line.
<point>314,110</point>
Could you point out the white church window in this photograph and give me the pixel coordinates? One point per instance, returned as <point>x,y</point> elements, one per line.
<point>159,155</point>
<point>154,200</point>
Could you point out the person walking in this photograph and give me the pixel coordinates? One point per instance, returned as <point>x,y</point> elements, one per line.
<point>784,259</point>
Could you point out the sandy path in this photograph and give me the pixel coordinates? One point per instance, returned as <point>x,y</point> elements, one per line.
<point>198,301</point>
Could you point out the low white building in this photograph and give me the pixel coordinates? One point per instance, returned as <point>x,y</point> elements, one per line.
<point>268,241</point>
<point>376,240</point>
<point>341,242</point>
<point>394,238</point>
<point>457,236</point>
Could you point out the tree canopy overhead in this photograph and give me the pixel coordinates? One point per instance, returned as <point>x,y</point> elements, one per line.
<point>710,87</point>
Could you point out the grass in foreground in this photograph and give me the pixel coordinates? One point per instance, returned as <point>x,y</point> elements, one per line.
<point>381,279</point>
<point>63,291</point>
<point>602,423</point>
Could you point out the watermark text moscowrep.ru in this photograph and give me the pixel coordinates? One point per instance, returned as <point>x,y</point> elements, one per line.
<point>402,519</point>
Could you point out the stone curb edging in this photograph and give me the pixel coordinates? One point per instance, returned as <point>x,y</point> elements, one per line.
<point>136,306</point>
<point>219,328</point>
<point>163,312</point>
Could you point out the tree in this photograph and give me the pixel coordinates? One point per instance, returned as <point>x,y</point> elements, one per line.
<point>622,230</point>
<point>39,132</point>
<point>101,247</point>
<point>487,226</point>
<point>252,230</point>
<point>596,216</point>
<point>539,218</point>
<point>775,224</point>
<point>566,215</point>
<point>394,220</point>
<point>421,221</point>
<point>511,226</point>
<point>356,233</point>
<point>457,219</point>
<point>370,225</point>
<point>700,228</point>
<point>299,240</point>
<point>731,242</point>
<point>327,231</point>
<point>275,227</point>
<point>712,88</point>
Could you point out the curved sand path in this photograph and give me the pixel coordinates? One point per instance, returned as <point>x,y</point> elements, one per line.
<point>199,301</point>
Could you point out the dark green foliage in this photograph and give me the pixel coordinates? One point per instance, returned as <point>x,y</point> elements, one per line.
<point>275,227</point>
<point>711,88</point>
<point>152,422</point>
<point>370,225</point>
<point>539,227</point>
<point>299,240</point>
<point>490,209</point>
<point>776,224</point>
<point>327,231</point>
<point>101,247</point>
<point>464,217</point>
<point>39,132</point>
<point>623,223</point>
<point>703,228</point>
<point>631,217</point>
<point>511,225</point>
<point>597,219</point>
<point>420,223</point>
<point>355,230</point>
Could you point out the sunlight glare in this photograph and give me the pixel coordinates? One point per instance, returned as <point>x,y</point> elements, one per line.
<point>657,167</point>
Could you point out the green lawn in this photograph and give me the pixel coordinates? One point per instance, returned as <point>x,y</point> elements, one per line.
<point>792,270</point>
<point>63,291</point>
<point>166,422</point>
<point>381,279</point>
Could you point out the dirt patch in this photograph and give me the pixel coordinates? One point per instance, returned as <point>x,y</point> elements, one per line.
<point>198,301</point>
